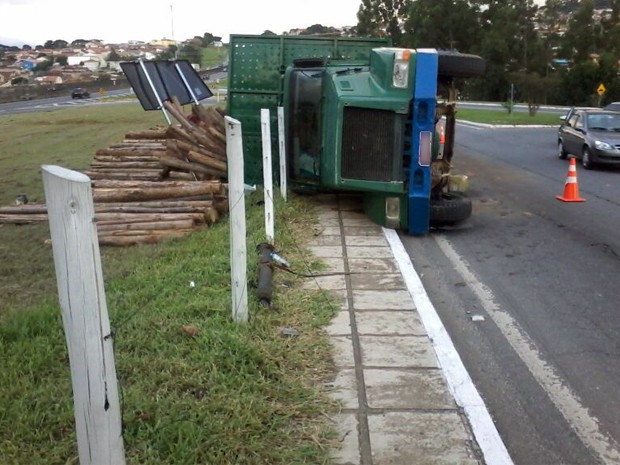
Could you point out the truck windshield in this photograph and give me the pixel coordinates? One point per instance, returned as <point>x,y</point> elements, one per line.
<point>304,143</point>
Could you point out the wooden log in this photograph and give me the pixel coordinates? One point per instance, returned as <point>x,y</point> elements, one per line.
<point>126,158</point>
<point>147,226</point>
<point>94,175</point>
<point>190,166</point>
<point>156,193</point>
<point>159,133</point>
<point>217,153</point>
<point>12,218</point>
<point>179,116</point>
<point>156,204</point>
<point>144,232</point>
<point>210,162</point>
<point>212,186</point>
<point>175,132</point>
<point>218,136</point>
<point>116,218</point>
<point>26,209</point>
<point>123,164</point>
<point>132,152</point>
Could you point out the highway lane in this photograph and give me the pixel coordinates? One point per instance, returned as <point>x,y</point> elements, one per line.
<point>544,276</point>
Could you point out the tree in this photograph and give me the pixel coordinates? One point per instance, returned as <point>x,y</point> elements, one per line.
<point>509,44</point>
<point>43,66</point>
<point>383,18</point>
<point>26,47</point>
<point>582,35</point>
<point>18,81</point>
<point>113,56</point>
<point>79,43</point>
<point>61,60</point>
<point>190,53</point>
<point>443,24</point>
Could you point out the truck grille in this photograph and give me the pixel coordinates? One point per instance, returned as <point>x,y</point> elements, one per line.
<point>370,139</point>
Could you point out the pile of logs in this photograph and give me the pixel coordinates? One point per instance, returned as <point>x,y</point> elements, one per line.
<point>155,184</point>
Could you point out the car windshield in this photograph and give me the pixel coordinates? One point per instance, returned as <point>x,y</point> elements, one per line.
<point>604,122</point>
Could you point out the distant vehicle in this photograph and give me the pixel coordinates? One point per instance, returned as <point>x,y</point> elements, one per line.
<point>613,106</point>
<point>80,92</point>
<point>593,136</point>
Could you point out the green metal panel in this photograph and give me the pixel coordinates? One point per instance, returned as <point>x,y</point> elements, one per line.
<point>256,80</point>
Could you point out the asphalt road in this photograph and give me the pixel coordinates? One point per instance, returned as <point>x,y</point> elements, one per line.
<point>544,276</point>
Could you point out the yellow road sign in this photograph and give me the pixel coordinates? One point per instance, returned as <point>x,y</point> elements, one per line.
<point>601,89</point>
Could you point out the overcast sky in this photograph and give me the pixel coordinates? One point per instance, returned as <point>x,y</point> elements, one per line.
<point>33,22</point>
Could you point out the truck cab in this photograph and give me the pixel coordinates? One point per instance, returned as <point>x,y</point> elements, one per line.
<point>363,121</point>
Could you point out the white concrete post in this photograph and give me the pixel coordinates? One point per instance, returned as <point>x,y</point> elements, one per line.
<point>267,174</point>
<point>282,152</point>
<point>236,206</point>
<point>85,316</point>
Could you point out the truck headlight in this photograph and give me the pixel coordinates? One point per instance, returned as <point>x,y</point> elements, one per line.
<point>400,74</point>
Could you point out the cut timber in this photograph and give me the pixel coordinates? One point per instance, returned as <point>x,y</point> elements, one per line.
<point>117,218</point>
<point>207,161</point>
<point>156,193</point>
<point>190,166</point>
<point>148,134</point>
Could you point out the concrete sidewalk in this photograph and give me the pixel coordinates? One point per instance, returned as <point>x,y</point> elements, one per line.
<point>396,405</point>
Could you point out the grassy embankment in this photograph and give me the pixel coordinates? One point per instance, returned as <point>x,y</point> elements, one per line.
<point>233,394</point>
<point>503,117</point>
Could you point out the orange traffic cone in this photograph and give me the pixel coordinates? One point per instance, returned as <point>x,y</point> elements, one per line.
<point>571,189</point>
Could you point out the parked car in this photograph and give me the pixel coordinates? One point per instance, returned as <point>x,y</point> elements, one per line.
<point>593,136</point>
<point>80,92</point>
<point>613,106</point>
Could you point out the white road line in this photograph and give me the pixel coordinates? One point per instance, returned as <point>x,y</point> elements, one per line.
<point>459,382</point>
<point>567,402</point>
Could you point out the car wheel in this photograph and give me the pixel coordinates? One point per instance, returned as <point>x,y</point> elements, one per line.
<point>586,159</point>
<point>562,153</point>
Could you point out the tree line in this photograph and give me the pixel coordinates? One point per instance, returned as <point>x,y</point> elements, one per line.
<point>558,53</point>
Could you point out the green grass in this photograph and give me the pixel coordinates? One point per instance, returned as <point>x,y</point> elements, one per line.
<point>234,394</point>
<point>503,117</point>
<point>213,56</point>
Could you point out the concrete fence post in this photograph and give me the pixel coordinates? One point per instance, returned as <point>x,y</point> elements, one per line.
<point>282,152</point>
<point>84,315</point>
<point>236,206</point>
<point>267,175</point>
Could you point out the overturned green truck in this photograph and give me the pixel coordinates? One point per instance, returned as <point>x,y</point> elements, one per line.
<point>359,116</point>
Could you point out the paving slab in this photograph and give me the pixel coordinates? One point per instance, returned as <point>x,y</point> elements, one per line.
<point>382,300</point>
<point>340,324</point>
<point>343,351</point>
<point>363,231</point>
<point>366,241</point>
<point>325,282</point>
<point>368,281</point>
<point>423,389</point>
<point>407,438</point>
<point>397,352</point>
<point>369,252</point>
<point>344,389</point>
<point>325,240</point>
<point>326,251</point>
<point>326,230</point>
<point>373,265</point>
<point>390,323</point>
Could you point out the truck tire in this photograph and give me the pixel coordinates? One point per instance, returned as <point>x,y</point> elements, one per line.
<point>459,65</point>
<point>449,209</point>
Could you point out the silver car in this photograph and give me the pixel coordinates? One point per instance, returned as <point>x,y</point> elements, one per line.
<point>593,136</point>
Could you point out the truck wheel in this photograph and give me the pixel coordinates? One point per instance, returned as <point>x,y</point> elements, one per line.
<point>459,65</point>
<point>450,208</point>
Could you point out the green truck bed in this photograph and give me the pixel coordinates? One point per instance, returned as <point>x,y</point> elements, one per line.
<point>255,81</point>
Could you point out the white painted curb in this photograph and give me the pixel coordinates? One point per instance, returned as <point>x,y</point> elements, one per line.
<point>459,382</point>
